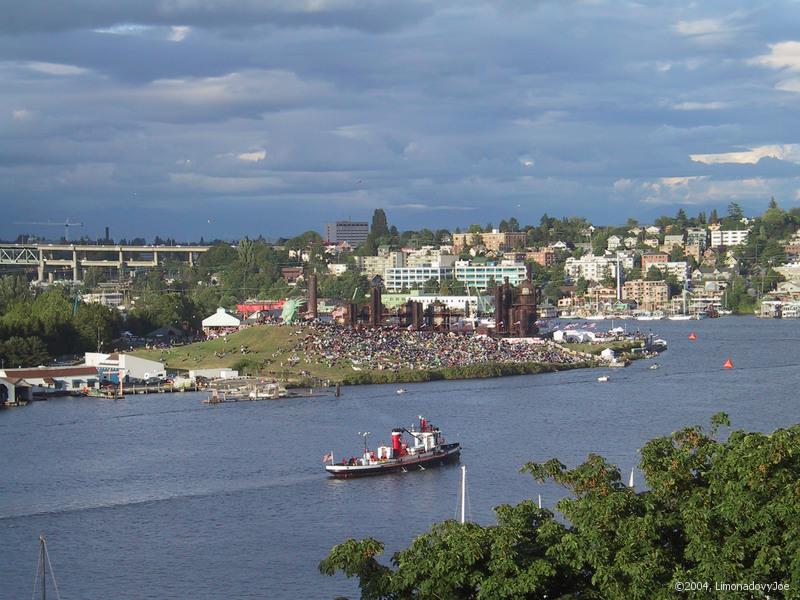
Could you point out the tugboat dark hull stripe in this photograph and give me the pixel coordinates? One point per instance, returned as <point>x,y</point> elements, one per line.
<point>449,453</point>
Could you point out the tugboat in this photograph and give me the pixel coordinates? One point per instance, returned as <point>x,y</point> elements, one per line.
<point>427,449</point>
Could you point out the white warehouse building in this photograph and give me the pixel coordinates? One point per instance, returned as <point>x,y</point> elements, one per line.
<point>132,367</point>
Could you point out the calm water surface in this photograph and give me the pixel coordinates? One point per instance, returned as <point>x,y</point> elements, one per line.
<point>164,497</point>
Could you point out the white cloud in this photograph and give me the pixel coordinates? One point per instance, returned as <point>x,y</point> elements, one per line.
<point>620,185</point>
<point>55,68</point>
<point>700,105</point>
<point>255,156</point>
<point>783,55</point>
<point>786,152</point>
<point>526,161</point>
<point>676,181</point>
<point>21,114</point>
<point>789,85</point>
<point>124,29</point>
<point>700,27</point>
<point>178,33</point>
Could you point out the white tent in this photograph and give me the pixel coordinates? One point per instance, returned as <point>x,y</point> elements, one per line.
<point>221,318</point>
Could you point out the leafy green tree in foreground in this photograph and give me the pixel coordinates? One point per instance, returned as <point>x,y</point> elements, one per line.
<point>713,511</point>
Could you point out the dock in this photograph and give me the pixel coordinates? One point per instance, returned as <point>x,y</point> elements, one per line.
<point>114,393</point>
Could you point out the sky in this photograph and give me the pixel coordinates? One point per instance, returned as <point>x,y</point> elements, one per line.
<point>225,118</point>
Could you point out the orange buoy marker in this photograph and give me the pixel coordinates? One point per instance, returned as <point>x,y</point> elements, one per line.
<point>728,364</point>
<point>692,336</point>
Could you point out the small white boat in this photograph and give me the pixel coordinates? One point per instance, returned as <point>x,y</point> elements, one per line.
<point>680,317</point>
<point>603,378</point>
<point>654,366</point>
<point>401,391</point>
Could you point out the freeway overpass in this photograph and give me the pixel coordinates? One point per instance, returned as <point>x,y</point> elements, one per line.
<point>47,258</point>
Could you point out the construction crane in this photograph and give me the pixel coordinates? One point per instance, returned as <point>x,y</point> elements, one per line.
<point>66,225</point>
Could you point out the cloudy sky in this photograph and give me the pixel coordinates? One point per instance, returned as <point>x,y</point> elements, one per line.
<point>222,118</point>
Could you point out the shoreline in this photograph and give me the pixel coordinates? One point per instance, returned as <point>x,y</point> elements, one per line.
<point>482,371</point>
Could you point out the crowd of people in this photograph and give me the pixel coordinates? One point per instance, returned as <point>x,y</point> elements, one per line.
<point>397,348</point>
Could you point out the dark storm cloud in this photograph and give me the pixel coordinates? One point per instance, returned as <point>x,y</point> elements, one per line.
<point>444,113</point>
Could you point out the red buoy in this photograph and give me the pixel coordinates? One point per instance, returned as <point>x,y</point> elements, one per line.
<point>728,364</point>
<point>692,336</point>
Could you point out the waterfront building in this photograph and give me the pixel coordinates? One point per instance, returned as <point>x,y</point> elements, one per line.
<point>671,240</point>
<point>613,242</point>
<point>697,236</point>
<point>542,256</point>
<point>54,379</point>
<point>728,237</point>
<point>108,366</point>
<point>14,392</point>
<point>353,232</point>
<point>590,268</point>
<point>790,271</point>
<point>653,259</point>
<point>473,303</point>
<point>428,255</point>
<point>377,265</point>
<point>648,295</point>
<point>406,278</point>
<point>496,241</point>
<point>790,310</point>
<point>770,309</point>
<point>482,276</point>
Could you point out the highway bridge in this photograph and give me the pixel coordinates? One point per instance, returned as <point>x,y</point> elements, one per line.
<point>49,258</point>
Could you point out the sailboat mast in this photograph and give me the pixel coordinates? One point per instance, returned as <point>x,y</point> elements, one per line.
<point>463,491</point>
<point>43,567</point>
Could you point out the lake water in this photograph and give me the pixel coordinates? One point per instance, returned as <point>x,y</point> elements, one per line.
<point>164,497</point>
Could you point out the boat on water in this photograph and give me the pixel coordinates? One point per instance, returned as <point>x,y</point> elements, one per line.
<point>680,317</point>
<point>426,449</point>
<point>603,378</point>
<point>654,366</point>
<point>40,581</point>
<point>653,316</point>
<point>401,391</point>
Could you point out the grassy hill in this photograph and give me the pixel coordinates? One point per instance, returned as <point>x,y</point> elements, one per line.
<point>267,347</point>
<point>270,351</point>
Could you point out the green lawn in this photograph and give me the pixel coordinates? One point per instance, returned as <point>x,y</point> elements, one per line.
<point>262,341</point>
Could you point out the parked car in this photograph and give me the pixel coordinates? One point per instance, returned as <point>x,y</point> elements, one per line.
<point>152,381</point>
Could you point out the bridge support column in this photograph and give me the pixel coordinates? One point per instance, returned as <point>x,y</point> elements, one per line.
<point>74,265</point>
<point>40,268</point>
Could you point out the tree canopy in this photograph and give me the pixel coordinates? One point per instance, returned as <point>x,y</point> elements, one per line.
<point>711,511</point>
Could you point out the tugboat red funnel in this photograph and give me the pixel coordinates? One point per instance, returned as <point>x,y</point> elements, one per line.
<point>692,336</point>
<point>728,364</point>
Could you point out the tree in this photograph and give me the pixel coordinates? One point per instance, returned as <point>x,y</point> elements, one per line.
<point>581,286</point>
<point>431,286</point>
<point>380,226</point>
<point>23,352</point>
<point>711,510</point>
<point>13,288</point>
<point>735,214</point>
<point>654,274</point>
